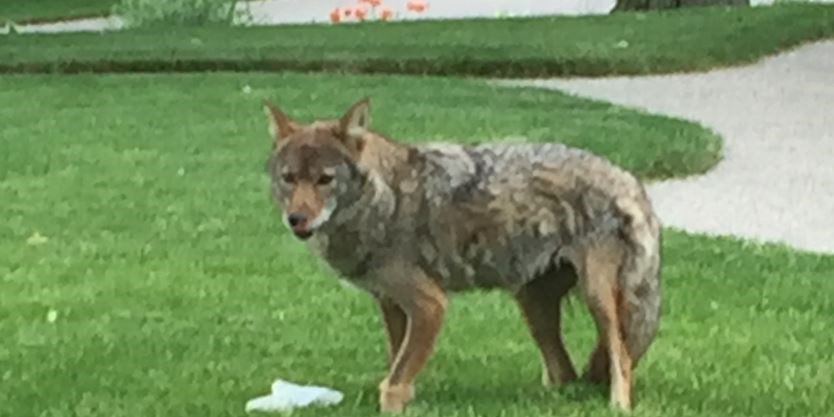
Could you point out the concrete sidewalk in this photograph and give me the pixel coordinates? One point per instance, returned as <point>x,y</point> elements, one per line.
<point>295,11</point>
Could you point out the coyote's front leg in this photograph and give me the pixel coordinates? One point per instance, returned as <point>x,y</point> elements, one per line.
<point>396,322</point>
<point>424,304</point>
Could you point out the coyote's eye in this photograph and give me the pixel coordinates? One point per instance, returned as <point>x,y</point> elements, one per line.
<point>288,178</point>
<point>325,179</point>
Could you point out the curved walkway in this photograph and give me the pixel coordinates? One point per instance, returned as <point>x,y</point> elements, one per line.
<point>776,182</point>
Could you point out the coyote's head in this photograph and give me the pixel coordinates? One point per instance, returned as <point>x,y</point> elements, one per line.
<point>313,166</point>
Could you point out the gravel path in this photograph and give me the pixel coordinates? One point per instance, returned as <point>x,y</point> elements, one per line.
<point>776,182</point>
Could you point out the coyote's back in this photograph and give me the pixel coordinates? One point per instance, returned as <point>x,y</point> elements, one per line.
<point>503,215</point>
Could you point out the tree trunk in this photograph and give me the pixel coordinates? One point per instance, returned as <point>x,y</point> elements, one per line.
<point>630,5</point>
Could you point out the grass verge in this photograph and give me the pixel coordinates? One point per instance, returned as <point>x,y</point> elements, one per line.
<point>624,43</point>
<point>144,271</point>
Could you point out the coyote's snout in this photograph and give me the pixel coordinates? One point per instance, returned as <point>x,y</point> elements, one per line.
<point>413,223</point>
<point>313,167</point>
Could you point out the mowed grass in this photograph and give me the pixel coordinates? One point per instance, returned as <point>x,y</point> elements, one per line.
<point>624,43</point>
<point>144,270</point>
<point>191,120</point>
<point>48,10</point>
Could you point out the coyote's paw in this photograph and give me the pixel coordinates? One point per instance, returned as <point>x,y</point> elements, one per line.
<point>393,398</point>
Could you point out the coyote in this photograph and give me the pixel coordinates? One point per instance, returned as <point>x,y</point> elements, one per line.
<point>410,224</point>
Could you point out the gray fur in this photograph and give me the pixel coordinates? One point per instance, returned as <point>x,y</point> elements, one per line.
<point>496,216</point>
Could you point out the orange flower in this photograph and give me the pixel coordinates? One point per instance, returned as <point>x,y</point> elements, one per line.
<point>335,15</point>
<point>418,6</point>
<point>386,13</point>
<point>360,11</point>
<point>373,3</point>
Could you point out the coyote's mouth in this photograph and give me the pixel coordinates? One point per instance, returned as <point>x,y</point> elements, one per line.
<point>303,234</point>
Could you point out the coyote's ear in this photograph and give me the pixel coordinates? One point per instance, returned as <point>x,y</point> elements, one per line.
<point>357,119</point>
<point>280,125</point>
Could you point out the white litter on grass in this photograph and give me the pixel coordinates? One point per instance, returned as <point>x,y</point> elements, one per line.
<point>286,396</point>
<point>36,239</point>
<point>51,316</point>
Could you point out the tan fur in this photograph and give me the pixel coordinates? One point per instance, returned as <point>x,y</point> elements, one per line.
<point>411,224</point>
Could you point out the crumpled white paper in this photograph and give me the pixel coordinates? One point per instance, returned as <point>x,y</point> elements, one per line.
<point>286,396</point>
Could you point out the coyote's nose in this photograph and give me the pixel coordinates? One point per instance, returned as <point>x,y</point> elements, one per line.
<point>296,219</point>
<point>298,224</point>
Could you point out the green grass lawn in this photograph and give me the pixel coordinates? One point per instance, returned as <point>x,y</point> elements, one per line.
<point>136,210</point>
<point>47,10</point>
<point>214,118</point>
<point>626,43</point>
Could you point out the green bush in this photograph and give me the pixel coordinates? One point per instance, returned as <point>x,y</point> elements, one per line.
<point>138,13</point>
